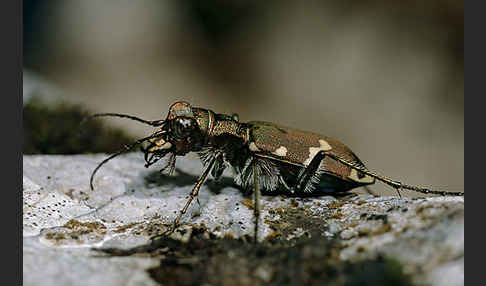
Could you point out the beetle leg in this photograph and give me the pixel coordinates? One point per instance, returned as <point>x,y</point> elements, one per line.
<point>305,177</point>
<point>256,201</point>
<point>218,168</point>
<point>395,184</point>
<point>194,193</point>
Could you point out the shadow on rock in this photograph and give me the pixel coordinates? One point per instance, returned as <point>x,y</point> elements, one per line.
<point>207,260</point>
<point>182,179</point>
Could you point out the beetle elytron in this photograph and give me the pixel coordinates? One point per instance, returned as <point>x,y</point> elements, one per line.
<point>262,155</point>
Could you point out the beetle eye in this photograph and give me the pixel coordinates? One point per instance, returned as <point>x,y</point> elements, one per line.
<point>183,126</point>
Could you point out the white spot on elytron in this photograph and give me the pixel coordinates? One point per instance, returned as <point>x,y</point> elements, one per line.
<point>253,147</point>
<point>324,146</point>
<point>281,151</point>
<point>354,176</point>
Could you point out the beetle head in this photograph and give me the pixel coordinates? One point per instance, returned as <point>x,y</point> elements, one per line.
<point>178,135</point>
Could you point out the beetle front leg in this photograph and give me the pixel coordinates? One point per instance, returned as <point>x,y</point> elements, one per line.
<point>194,193</point>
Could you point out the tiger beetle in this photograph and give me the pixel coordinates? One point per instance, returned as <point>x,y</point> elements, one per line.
<point>262,155</point>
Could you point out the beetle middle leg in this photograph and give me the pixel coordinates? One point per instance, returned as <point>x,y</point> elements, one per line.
<point>194,193</point>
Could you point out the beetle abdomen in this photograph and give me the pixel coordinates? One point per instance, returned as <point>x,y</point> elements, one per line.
<point>299,148</point>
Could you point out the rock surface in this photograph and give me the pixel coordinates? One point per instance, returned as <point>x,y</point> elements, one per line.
<point>63,220</point>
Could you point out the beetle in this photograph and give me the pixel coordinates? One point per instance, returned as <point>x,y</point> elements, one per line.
<point>262,155</point>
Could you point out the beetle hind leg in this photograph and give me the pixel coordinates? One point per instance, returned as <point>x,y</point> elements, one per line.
<point>307,177</point>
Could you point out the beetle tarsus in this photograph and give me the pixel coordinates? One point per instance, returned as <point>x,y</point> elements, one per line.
<point>398,191</point>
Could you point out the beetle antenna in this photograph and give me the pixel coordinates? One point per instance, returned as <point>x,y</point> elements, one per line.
<point>126,148</point>
<point>395,184</point>
<point>151,123</point>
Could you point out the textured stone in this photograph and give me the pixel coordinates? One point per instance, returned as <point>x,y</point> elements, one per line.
<point>63,219</point>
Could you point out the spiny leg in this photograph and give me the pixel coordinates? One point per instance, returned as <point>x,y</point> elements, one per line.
<point>256,201</point>
<point>305,177</point>
<point>395,184</point>
<point>398,191</point>
<point>194,193</point>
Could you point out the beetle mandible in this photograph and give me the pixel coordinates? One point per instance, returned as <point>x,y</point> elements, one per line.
<point>263,155</point>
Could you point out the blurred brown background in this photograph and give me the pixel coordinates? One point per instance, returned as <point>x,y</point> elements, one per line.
<point>384,77</point>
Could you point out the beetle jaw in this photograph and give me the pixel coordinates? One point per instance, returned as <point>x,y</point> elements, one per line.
<point>158,144</point>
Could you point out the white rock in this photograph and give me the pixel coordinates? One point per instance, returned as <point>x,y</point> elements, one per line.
<point>63,219</point>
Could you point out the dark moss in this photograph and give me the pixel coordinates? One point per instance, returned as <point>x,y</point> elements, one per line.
<point>379,271</point>
<point>310,262</point>
<point>206,260</point>
<point>55,129</point>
